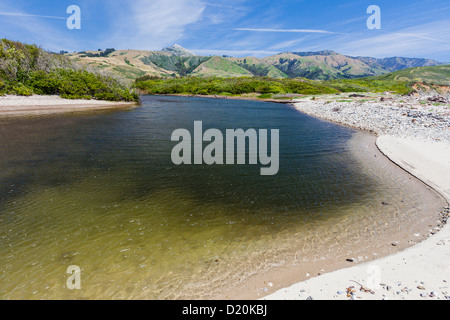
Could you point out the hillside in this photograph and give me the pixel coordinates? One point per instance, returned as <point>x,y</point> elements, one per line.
<point>321,66</point>
<point>177,61</point>
<point>220,67</point>
<point>259,67</point>
<point>438,75</point>
<point>27,69</point>
<point>398,63</point>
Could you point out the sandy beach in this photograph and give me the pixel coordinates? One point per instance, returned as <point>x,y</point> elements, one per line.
<point>415,136</point>
<point>42,105</point>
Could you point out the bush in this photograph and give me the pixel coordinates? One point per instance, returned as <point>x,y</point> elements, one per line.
<point>21,90</point>
<point>27,69</point>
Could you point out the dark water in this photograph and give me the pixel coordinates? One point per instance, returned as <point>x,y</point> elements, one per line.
<point>100,191</point>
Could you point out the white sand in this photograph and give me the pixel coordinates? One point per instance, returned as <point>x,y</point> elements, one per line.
<point>38,105</point>
<point>420,272</point>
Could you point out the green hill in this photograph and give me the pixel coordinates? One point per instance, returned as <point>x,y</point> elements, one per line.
<point>27,69</point>
<point>220,67</point>
<point>259,67</point>
<point>438,75</point>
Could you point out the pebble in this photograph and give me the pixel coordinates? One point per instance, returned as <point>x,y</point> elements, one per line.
<point>421,287</point>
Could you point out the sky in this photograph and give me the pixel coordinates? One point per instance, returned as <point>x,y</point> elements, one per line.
<point>408,28</point>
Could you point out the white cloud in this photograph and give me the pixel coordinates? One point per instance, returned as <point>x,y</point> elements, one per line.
<point>256,53</point>
<point>285,30</point>
<point>155,24</point>
<point>18,14</point>
<point>426,40</point>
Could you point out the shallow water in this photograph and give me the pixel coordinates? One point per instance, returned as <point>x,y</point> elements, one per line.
<point>99,191</point>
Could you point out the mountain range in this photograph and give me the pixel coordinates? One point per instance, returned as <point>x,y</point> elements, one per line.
<point>176,61</point>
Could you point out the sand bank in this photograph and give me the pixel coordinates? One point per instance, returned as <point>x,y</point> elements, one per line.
<point>41,105</point>
<point>418,272</point>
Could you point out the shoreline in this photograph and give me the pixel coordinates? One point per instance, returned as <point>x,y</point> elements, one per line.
<point>421,271</point>
<point>36,105</point>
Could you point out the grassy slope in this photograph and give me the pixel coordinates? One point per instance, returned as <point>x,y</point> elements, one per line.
<point>439,75</point>
<point>220,67</point>
<point>127,64</point>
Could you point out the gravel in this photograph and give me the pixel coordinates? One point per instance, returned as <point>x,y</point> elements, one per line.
<point>386,114</point>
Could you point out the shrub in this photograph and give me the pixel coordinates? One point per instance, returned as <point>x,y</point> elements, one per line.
<point>21,90</point>
<point>27,69</point>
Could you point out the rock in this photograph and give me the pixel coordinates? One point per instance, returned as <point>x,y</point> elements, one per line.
<point>437,99</point>
<point>421,287</point>
<point>310,298</point>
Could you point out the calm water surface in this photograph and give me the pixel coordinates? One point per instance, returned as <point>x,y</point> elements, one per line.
<point>100,191</point>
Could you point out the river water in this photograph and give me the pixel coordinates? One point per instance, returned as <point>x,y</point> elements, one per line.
<point>99,191</point>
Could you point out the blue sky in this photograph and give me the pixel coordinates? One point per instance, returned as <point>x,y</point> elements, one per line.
<point>235,27</point>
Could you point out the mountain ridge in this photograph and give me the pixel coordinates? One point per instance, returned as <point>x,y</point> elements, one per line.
<point>176,61</point>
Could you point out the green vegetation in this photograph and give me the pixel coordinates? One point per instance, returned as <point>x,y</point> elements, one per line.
<point>105,53</point>
<point>371,84</point>
<point>266,87</point>
<point>26,70</point>
<point>233,86</point>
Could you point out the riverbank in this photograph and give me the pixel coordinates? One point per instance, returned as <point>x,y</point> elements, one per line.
<point>42,105</point>
<point>413,133</point>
